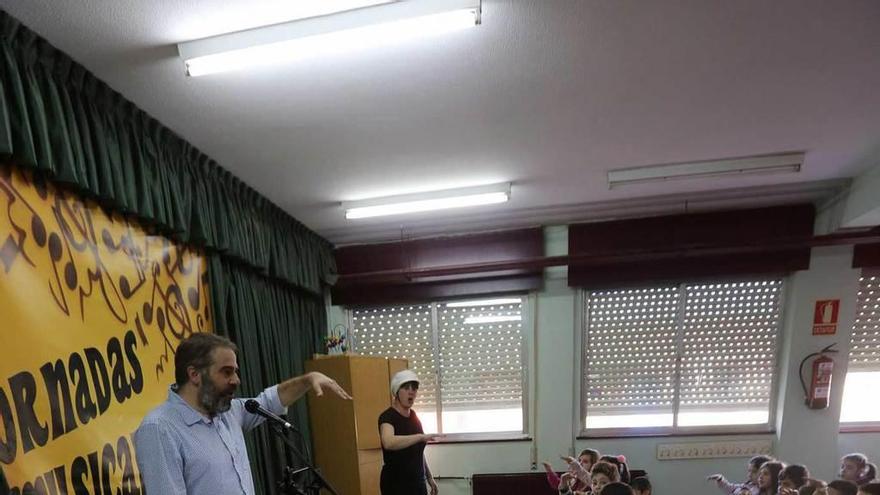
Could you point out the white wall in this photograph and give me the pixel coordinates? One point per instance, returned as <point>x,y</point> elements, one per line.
<point>802,435</point>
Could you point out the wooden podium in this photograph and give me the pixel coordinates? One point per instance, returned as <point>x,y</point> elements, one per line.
<point>346,433</point>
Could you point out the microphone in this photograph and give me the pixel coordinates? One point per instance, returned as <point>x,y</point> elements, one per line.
<point>254,407</point>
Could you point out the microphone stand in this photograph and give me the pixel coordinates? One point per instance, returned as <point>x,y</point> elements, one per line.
<point>288,483</point>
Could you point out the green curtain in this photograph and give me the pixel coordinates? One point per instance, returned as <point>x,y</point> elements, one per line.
<point>266,268</point>
<point>291,324</point>
<point>57,117</point>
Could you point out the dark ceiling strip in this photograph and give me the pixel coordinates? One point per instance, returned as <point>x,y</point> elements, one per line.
<point>838,239</point>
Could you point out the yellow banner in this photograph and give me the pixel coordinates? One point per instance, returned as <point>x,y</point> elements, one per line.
<point>91,311</point>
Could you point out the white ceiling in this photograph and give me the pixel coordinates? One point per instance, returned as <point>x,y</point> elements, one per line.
<point>547,94</point>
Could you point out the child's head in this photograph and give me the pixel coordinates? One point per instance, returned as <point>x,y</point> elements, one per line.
<point>856,468</point>
<point>768,477</point>
<point>641,485</point>
<point>872,488</point>
<point>622,469</point>
<point>842,487</point>
<point>616,488</point>
<point>754,466</point>
<point>602,474</point>
<point>794,476</point>
<point>588,457</point>
<point>811,486</point>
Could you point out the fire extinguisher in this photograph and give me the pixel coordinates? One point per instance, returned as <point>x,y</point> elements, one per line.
<point>819,393</point>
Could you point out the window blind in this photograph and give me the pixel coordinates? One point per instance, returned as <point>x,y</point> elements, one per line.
<point>630,351</point>
<point>729,351</point>
<point>474,347</point>
<point>689,355</point>
<point>403,332</point>
<point>864,354</point>
<point>481,355</point>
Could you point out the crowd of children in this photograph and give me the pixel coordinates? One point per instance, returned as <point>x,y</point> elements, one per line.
<point>768,476</point>
<point>596,474</point>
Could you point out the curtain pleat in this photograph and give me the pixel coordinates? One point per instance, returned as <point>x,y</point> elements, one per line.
<point>290,326</point>
<point>266,268</point>
<point>57,117</point>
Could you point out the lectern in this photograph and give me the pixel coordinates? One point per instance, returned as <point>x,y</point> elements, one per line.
<point>346,433</point>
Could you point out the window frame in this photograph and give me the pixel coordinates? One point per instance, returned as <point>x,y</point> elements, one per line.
<point>527,302</point>
<point>858,426</point>
<point>580,430</point>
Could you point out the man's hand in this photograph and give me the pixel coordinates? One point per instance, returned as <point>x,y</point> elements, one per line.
<point>320,382</point>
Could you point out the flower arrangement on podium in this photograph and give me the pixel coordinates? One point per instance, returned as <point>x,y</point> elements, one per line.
<point>336,342</point>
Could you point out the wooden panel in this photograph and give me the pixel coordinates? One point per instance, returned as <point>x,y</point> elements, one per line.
<point>370,467</point>
<point>397,257</point>
<point>339,426</point>
<point>684,233</point>
<point>441,251</point>
<point>333,427</point>
<point>866,256</point>
<point>373,294</point>
<point>370,392</point>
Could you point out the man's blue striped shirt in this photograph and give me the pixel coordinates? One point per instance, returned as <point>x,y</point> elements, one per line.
<point>181,451</point>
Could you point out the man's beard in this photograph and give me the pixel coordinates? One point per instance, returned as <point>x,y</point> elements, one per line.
<point>212,399</point>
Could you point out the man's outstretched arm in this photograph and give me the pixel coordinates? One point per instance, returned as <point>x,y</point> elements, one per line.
<point>289,391</point>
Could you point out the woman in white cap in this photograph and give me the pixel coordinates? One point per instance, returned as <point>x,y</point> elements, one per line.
<point>403,442</point>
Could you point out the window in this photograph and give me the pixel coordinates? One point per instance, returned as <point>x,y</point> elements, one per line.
<point>469,356</point>
<point>680,357</point>
<point>863,373</point>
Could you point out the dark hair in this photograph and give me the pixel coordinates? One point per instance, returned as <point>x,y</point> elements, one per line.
<point>811,486</point>
<point>759,461</point>
<point>592,453</point>
<point>622,468</point>
<point>797,473</point>
<point>616,488</point>
<point>606,468</point>
<point>195,351</point>
<point>872,488</point>
<point>774,468</point>
<point>861,460</point>
<point>642,484</point>
<point>844,487</point>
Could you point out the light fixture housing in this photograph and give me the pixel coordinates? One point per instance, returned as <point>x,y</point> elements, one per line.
<point>763,164</point>
<point>427,201</point>
<point>375,25</point>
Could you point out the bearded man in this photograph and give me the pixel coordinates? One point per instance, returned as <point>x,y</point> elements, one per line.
<point>193,443</point>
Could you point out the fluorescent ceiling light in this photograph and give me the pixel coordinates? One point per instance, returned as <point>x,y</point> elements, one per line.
<point>787,162</point>
<point>476,320</point>
<point>367,27</point>
<point>429,201</point>
<point>484,302</point>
